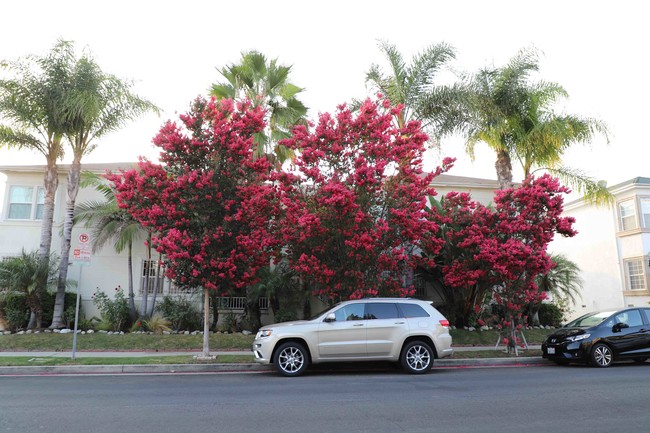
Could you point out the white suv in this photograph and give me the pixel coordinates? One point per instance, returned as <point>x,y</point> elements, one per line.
<point>387,329</point>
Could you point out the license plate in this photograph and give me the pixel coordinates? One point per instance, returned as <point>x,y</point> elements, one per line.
<point>550,350</point>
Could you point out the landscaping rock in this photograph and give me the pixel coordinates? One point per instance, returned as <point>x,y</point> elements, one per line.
<point>246,332</point>
<point>471,329</point>
<point>20,332</point>
<point>90,331</point>
<point>103,332</point>
<point>65,331</point>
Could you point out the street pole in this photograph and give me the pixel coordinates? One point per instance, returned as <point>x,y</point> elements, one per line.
<point>76,313</point>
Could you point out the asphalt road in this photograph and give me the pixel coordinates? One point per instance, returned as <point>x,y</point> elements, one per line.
<point>506,399</point>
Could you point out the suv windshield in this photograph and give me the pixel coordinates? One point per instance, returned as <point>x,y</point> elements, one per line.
<point>589,320</point>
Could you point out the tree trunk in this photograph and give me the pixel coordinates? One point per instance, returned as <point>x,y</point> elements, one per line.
<point>503,167</point>
<point>133,313</point>
<point>206,322</point>
<point>147,270</point>
<point>156,286</point>
<point>73,190</point>
<point>50,184</point>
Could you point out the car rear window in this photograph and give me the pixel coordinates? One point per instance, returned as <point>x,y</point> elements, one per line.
<point>383,310</point>
<point>412,310</point>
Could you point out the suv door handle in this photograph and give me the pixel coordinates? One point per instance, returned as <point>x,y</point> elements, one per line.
<point>358,324</point>
<point>400,323</point>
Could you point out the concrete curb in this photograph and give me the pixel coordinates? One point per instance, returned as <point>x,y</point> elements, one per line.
<point>232,367</point>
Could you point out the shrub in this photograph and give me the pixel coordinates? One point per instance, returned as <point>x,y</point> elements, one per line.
<point>550,315</point>
<point>180,312</point>
<point>231,322</point>
<point>16,310</point>
<point>157,324</point>
<point>115,312</point>
<point>47,302</point>
<point>285,316</point>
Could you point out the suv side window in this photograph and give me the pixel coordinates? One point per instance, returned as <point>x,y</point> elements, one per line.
<point>381,310</point>
<point>412,310</point>
<point>350,312</point>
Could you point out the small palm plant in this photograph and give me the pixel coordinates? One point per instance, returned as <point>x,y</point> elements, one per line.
<point>23,274</point>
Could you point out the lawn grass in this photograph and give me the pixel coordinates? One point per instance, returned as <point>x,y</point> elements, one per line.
<point>218,342</point>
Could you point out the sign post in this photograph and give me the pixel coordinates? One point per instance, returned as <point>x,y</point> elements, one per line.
<point>80,256</point>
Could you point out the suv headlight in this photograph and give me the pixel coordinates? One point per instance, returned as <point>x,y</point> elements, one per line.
<point>580,337</point>
<point>264,333</point>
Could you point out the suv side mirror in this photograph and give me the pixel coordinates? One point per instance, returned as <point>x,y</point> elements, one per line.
<point>330,318</point>
<point>619,326</point>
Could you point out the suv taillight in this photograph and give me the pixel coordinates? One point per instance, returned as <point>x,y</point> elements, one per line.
<point>444,322</point>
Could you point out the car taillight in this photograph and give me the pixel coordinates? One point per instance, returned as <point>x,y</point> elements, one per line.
<point>444,322</point>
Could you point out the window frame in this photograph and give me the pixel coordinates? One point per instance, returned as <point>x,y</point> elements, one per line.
<point>643,216</point>
<point>632,279</point>
<point>633,215</point>
<point>37,202</point>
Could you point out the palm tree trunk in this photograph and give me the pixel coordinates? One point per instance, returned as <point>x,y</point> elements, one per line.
<point>133,313</point>
<point>74,177</point>
<point>147,270</point>
<point>503,166</point>
<point>50,184</point>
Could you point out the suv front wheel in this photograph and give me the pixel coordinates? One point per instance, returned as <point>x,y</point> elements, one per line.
<point>417,357</point>
<point>291,359</point>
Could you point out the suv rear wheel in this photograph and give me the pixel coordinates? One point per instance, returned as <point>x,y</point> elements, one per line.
<point>417,357</point>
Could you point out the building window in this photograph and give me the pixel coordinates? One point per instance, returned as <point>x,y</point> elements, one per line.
<point>26,203</point>
<point>645,212</point>
<point>627,215</point>
<point>156,281</point>
<point>635,274</point>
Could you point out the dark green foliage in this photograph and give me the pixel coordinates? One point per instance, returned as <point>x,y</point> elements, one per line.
<point>181,313</point>
<point>16,310</point>
<point>285,316</point>
<point>47,302</point>
<point>115,312</point>
<point>550,315</point>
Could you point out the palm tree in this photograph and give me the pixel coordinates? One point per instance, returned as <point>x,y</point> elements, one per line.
<point>265,83</point>
<point>563,280</point>
<point>515,117</point>
<point>110,224</point>
<point>34,103</point>
<point>439,108</point>
<point>101,103</point>
<point>25,274</point>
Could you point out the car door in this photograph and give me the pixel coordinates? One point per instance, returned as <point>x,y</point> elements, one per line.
<point>631,337</point>
<point>344,337</point>
<point>646,330</point>
<point>386,329</point>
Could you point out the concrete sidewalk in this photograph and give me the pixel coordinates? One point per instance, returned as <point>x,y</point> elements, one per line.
<point>217,367</point>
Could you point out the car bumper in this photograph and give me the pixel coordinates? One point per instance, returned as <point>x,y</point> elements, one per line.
<point>577,352</point>
<point>263,350</point>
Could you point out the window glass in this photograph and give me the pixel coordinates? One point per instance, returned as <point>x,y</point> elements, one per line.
<point>626,211</point>
<point>350,312</point>
<point>40,203</point>
<point>20,202</point>
<point>630,318</point>
<point>645,212</point>
<point>412,310</point>
<point>635,275</point>
<point>381,310</point>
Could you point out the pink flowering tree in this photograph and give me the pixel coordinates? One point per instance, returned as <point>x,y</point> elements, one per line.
<point>208,202</point>
<point>497,252</point>
<point>355,204</point>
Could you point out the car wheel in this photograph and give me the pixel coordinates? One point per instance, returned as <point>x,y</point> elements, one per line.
<point>291,359</point>
<point>417,357</point>
<point>601,355</point>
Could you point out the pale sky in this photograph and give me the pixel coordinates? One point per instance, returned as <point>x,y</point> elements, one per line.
<point>598,50</point>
